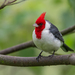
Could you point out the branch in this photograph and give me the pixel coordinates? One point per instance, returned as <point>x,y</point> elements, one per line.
<point>43,61</point>
<point>16,2</point>
<point>30,43</point>
<point>68,30</point>
<point>9,3</point>
<point>17,47</point>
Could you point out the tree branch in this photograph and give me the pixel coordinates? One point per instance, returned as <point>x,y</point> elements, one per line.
<point>17,47</point>
<point>68,30</point>
<point>43,61</point>
<point>9,3</point>
<point>30,43</point>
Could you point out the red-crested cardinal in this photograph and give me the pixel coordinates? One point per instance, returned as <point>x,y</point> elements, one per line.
<point>47,37</point>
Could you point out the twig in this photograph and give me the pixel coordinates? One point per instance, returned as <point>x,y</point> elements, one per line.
<point>43,61</point>
<point>3,5</point>
<point>16,2</point>
<point>9,3</point>
<point>30,43</point>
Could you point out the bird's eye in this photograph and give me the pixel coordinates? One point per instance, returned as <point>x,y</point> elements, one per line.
<point>40,24</point>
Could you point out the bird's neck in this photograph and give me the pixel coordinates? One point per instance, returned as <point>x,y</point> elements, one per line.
<point>38,31</point>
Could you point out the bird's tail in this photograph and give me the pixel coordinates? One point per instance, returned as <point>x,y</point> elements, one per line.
<point>66,48</point>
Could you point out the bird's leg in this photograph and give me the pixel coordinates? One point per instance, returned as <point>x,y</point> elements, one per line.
<point>52,54</point>
<point>39,56</point>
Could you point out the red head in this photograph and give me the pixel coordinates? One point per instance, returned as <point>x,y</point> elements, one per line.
<point>41,20</point>
<point>40,25</point>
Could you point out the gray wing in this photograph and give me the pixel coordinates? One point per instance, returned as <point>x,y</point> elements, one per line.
<point>53,29</point>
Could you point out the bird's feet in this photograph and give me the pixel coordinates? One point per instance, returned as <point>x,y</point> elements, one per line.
<point>51,55</point>
<point>39,56</point>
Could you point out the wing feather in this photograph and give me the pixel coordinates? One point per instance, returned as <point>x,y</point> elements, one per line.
<point>53,29</point>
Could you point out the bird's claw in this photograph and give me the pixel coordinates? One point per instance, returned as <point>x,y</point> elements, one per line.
<point>39,57</point>
<point>50,56</point>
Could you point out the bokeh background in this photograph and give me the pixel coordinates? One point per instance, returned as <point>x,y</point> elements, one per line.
<point>16,27</point>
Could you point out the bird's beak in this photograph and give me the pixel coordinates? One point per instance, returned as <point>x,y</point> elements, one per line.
<point>35,25</point>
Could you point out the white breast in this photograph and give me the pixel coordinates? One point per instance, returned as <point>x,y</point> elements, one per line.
<point>48,42</point>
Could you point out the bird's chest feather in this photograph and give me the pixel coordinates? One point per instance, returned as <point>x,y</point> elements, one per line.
<point>47,41</point>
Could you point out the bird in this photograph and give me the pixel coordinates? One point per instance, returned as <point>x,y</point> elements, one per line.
<point>47,37</point>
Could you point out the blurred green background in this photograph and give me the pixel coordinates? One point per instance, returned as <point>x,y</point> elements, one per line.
<point>16,27</point>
